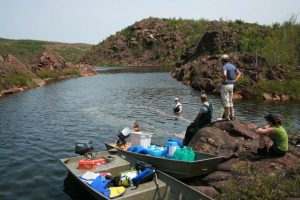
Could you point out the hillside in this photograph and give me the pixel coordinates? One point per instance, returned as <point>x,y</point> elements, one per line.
<point>265,54</point>
<point>28,50</point>
<point>27,63</point>
<point>149,42</point>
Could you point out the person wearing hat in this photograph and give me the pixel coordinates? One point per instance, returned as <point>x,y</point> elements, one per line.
<point>177,108</point>
<point>230,75</point>
<point>204,117</point>
<point>273,138</point>
<point>136,126</point>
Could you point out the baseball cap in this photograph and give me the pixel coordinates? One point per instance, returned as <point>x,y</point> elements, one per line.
<point>176,99</point>
<point>225,57</point>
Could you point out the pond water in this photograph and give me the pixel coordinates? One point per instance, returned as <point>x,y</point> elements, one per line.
<point>42,125</point>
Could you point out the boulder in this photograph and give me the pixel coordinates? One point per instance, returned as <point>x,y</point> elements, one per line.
<point>235,140</point>
<point>228,138</point>
<point>267,96</point>
<point>209,191</point>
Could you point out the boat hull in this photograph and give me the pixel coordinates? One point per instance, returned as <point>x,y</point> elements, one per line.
<point>168,188</point>
<point>203,164</point>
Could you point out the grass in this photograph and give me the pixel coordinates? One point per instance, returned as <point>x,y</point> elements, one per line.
<point>57,74</point>
<point>25,50</point>
<point>289,87</point>
<point>20,79</point>
<point>274,185</point>
<point>28,50</point>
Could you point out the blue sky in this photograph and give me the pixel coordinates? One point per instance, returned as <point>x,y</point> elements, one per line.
<point>91,21</point>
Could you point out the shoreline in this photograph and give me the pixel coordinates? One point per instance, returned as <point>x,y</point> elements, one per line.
<point>43,82</point>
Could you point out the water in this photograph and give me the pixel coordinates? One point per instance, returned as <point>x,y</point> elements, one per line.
<point>42,125</point>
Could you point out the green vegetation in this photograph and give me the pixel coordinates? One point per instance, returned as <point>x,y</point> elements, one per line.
<point>282,45</point>
<point>25,50</point>
<point>243,82</point>
<point>257,186</point>
<point>57,74</point>
<point>71,54</point>
<point>28,50</point>
<point>289,87</point>
<point>20,79</point>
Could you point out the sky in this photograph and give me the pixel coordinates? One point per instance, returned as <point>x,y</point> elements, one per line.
<point>91,21</point>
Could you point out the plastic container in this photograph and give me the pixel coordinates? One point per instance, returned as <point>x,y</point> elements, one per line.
<point>90,164</point>
<point>140,139</point>
<point>185,154</point>
<point>155,152</point>
<point>172,146</point>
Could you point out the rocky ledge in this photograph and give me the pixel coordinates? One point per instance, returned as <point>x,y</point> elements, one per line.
<point>235,140</point>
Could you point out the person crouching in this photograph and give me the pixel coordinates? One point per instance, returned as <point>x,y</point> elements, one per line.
<point>273,140</point>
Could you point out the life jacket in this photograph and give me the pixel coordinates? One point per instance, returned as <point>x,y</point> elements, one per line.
<point>176,108</point>
<point>206,117</point>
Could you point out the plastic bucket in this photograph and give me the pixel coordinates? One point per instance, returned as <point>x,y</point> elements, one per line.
<point>172,146</point>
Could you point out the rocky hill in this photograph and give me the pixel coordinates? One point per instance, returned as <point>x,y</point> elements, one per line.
<point>261,52</point>
<point>25,64</point>
<point>149,42</point>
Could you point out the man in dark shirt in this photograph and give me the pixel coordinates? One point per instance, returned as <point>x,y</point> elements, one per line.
<point>204,117</point>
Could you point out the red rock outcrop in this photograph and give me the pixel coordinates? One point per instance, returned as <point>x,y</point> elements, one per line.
<point>235,140</point>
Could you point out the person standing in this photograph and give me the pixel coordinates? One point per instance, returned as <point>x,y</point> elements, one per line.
<point>177,108</point>
<point>230,75</point>
<point>204,117</point>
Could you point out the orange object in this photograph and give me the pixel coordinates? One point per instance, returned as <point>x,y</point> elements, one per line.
<point>90,164</point>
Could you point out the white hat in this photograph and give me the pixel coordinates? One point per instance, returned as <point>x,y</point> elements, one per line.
<point>176,99</point>
<point>224,56</point>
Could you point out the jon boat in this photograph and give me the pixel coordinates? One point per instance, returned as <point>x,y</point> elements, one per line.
<point>203,164</point>
<point>167,187</point>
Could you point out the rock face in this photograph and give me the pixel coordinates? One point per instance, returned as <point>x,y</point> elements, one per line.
<point>149,42</point>
<point>235,140</point>
<point>204,72</point>
<point>51,61</point>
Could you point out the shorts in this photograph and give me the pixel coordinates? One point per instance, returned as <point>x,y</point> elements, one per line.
<point>226,95</point>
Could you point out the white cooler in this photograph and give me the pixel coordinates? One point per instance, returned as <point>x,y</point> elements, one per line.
<point>140,139</point>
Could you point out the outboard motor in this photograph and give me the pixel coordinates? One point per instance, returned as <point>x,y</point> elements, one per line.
<point>124,134</point>
<point>85,148</point>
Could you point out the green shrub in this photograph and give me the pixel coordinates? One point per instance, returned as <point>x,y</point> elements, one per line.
<point>243,82</point>
<point>289,87</point>
<point>187,76</point>
<point>20,79</point>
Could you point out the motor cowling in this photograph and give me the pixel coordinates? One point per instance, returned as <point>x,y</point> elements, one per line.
<point>84,147</point>
<point>125,133</point>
